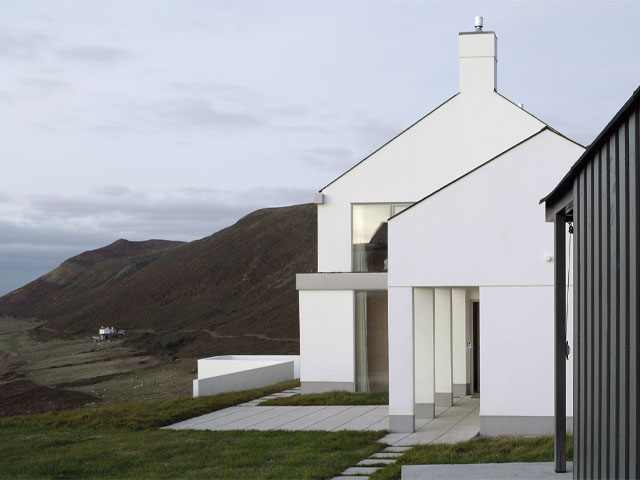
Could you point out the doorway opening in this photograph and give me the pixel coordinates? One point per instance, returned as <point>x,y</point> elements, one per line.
<point>475,343</point>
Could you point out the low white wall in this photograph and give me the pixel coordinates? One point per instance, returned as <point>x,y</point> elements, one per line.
<point>208,367</point>
<point>255,374</point>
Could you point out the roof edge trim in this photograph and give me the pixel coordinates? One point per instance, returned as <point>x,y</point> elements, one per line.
<point>475,169</point>
<point>541,121</point>
<point>389,141</point>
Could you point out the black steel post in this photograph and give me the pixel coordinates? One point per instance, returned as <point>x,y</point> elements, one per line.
<point>560,339</point>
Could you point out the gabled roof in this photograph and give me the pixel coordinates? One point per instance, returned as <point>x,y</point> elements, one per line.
<point>596,145</point>
<point>434,110</point>
<point>387,143</point>
<point>475,169</point>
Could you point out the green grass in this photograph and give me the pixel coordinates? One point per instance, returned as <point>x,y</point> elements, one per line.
<point>332,398</point>
<point>477,450</point>
<point>123,441</point>
<point>91,453</point>
<point>138,416</point>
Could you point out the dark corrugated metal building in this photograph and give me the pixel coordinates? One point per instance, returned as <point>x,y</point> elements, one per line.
<point>601,197</point>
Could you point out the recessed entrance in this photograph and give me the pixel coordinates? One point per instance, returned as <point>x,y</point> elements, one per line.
<point>475,348</point>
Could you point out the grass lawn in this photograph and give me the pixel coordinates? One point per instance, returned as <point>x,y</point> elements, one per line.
<point>477,450</point>
<point>332,398</point>
<point>123,441</point>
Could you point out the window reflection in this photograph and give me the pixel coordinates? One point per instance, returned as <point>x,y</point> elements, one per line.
<point>372,342</point>
<point>370,248</point>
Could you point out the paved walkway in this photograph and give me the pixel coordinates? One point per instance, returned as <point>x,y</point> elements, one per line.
<point>485,471</point>
<point>453,424</point>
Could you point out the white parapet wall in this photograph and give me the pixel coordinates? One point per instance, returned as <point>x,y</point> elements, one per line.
<point>229,373</point>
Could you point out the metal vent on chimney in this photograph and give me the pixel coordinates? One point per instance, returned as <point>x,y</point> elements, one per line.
<point>479,24</point>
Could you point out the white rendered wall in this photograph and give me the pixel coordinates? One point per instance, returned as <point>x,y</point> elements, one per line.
<point>442,321</point>
<point>422,159</point>
<point>424,345</point>
<point>488,227</point>
<point>459,335</point>
<point>516,352</point>
<point>401,356</point>
<point>327,336</point>
<point>501,248</point>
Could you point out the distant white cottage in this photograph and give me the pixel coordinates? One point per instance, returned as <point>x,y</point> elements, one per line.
<point>106,332</point>
<point>435,266</point>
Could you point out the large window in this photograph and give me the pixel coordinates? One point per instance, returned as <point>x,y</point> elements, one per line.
<point>372,341</point>
<point>369,235</point>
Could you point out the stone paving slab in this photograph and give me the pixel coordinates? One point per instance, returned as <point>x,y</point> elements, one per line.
<point>376,461</point>
<point>311,421</point>
<point>263,417</point>
<point>387,455</point>
<point>396,449</point>
<point>360,470</point>
<point>292,415</point>
<point>485,471</point>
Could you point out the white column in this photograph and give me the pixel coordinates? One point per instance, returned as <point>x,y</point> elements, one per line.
<point>401,371</point>
<point>459,340</point>
<point>424,352</point>
<point>442,321</point>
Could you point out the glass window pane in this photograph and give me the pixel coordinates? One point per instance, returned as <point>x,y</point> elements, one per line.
<point>369,252</point>
<point>372,342</point>
<point>398,207</point>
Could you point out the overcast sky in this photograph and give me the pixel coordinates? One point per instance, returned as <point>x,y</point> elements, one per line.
<point>171,119</point>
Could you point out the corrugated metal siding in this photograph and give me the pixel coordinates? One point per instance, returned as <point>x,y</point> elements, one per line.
<point>606,370</point>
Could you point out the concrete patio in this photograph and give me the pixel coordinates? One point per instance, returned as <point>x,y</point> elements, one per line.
<point>453,424</point>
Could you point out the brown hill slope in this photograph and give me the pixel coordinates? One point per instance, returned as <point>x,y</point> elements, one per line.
<point>238,281</point>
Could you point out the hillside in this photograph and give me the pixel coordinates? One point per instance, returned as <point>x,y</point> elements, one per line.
<point>233,291</point>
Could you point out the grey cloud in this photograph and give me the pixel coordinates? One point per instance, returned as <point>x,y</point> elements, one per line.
<point>238,94</point>
<point>26,46</point>
<point>7,98</point>
<point>288,111</point>
<point>374,133</point>
<point>195,112</point>
<point>93,54</point>
<point>186,213</point>
<point>112,190</point>
<point>45,85</point>
<point>327,158</point>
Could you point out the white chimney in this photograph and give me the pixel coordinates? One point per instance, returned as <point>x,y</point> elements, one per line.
<point>478,59</point>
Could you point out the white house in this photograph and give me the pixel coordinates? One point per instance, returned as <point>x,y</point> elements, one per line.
<point>458,285</point>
